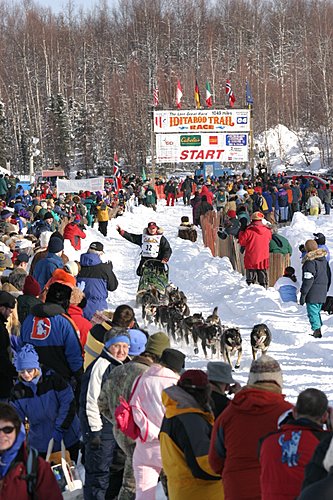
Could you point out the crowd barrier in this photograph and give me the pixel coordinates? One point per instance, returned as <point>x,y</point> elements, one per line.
<point>231,248</point>
<point>160,191</point>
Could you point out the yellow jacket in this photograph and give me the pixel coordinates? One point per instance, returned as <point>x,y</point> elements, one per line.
<point>102,214</point>
<point>184,439</point>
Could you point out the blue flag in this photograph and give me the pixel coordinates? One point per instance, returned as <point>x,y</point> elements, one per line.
<point>249,98</point>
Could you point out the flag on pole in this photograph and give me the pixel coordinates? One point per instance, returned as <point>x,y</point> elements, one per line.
<point>117,172</point>
<point>156,96</point>
<point>209,100</point>
<point>179,95</point>
<point>248,94</point>
<point>197,95</point>
<point>230,94</point>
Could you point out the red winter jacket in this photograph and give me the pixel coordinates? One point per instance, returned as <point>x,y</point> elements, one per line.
<point>255,239</point>
<point>283,457</point>
<point>83,324</point>
<point>74,234</point>
<point>206,192</point>
<point>252,414</point>
<point>13,486</point>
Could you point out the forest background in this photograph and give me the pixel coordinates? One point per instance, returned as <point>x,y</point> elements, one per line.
<point>82,82</point>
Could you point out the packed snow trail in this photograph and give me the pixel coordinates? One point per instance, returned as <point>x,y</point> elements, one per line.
<point>210,281</point>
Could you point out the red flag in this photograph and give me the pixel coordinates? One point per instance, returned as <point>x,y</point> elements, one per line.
<point>230,94</point>
<point>156,96</point>
<point>117,172</point>
<point>179,95</point>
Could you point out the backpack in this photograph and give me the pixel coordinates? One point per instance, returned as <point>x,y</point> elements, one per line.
<point>124,416</point>
<point>32,472</point>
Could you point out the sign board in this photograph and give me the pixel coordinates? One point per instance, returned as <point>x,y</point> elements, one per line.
<point>77,185</point>
<point>202,120</point>
<point>53,173</point>
<point>195,148</point>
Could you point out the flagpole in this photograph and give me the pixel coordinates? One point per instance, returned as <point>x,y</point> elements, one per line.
<point>152,147</point>
<point>251,142</point>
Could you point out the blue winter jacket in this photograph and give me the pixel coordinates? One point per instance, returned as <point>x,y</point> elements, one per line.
<point>49,407</point>
<point>54,338</point>
<point>45,267</point>
<point>269,200</point>
<point>99,278</point>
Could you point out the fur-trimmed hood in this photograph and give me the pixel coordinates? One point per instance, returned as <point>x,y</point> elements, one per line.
<point>314,254</point>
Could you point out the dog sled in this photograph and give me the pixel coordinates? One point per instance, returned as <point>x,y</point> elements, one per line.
<point>155,276</point>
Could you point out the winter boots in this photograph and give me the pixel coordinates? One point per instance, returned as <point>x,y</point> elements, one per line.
<point>317,333</point>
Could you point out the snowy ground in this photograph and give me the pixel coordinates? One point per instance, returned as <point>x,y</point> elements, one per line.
<point>210,281</point>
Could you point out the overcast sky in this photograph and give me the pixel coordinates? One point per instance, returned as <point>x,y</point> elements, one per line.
<point>59,5</point>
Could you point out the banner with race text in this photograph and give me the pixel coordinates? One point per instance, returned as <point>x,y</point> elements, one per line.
<point>77,185</point>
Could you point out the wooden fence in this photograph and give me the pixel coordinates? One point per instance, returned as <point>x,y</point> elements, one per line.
<point>231,248</point>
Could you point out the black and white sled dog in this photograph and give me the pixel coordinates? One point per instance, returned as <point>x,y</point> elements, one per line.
<point>187,325</point>
<point>149,304</point>
<point>208,334</point>
<point>231,344</point>
<point>261,337</point>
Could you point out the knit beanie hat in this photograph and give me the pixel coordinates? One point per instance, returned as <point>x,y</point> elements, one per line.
<point>194,379</point>
<point>311,245</point>
<point>77,219</point>
<point>232,214</point>
<point>116,334</point>
<point>138,342</point>
<point>173,359</point>
<point>185,219</point>
<point>76,296</point>
<point>257,216</point>
<point>55,245</point>
<point>31,286</point>
<point>63,277</point>
<point>157,343</point>
<point>6,214</point>
<point>48,215</point>
<point>265,369</point>
<point>72,267</point>
<point>26,358</point>
<point>45,238</point>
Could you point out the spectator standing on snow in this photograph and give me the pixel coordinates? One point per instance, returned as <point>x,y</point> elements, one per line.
<point>314,204</point>
<point>99,442</point>
<point>327,199</point>
<point>316,280</point>
<point>45,267</point>
<point>284,454</point>
<point>255,239</point>
<point>221,382</point>
<point>7,370</point>
<point>148,412</point>
<point>98,277</point>
<point>253,413</point>
<point>74,232</point>
<point>287,285</point>
<point>120,383</point>
<point>102,218</point>
<point>186,189</point>
<point>185,437</point>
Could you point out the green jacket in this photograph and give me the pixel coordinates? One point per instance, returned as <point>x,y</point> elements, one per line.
<point>280,244</point>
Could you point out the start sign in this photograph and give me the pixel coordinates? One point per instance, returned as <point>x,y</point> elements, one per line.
<point>175,148</point>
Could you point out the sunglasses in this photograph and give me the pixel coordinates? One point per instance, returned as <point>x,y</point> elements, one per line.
<point>29,371</point>
<point>7,430</point>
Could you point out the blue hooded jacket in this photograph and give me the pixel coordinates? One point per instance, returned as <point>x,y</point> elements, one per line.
<point>49,406</point>
<point>99,279</point>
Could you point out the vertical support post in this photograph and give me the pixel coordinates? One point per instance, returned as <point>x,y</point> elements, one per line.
<point>152,148</point>
<point>31,168</point>
<point>251,142</point>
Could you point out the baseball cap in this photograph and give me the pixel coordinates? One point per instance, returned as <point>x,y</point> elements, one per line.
<point>152,224</point>
<point>97,246</point>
